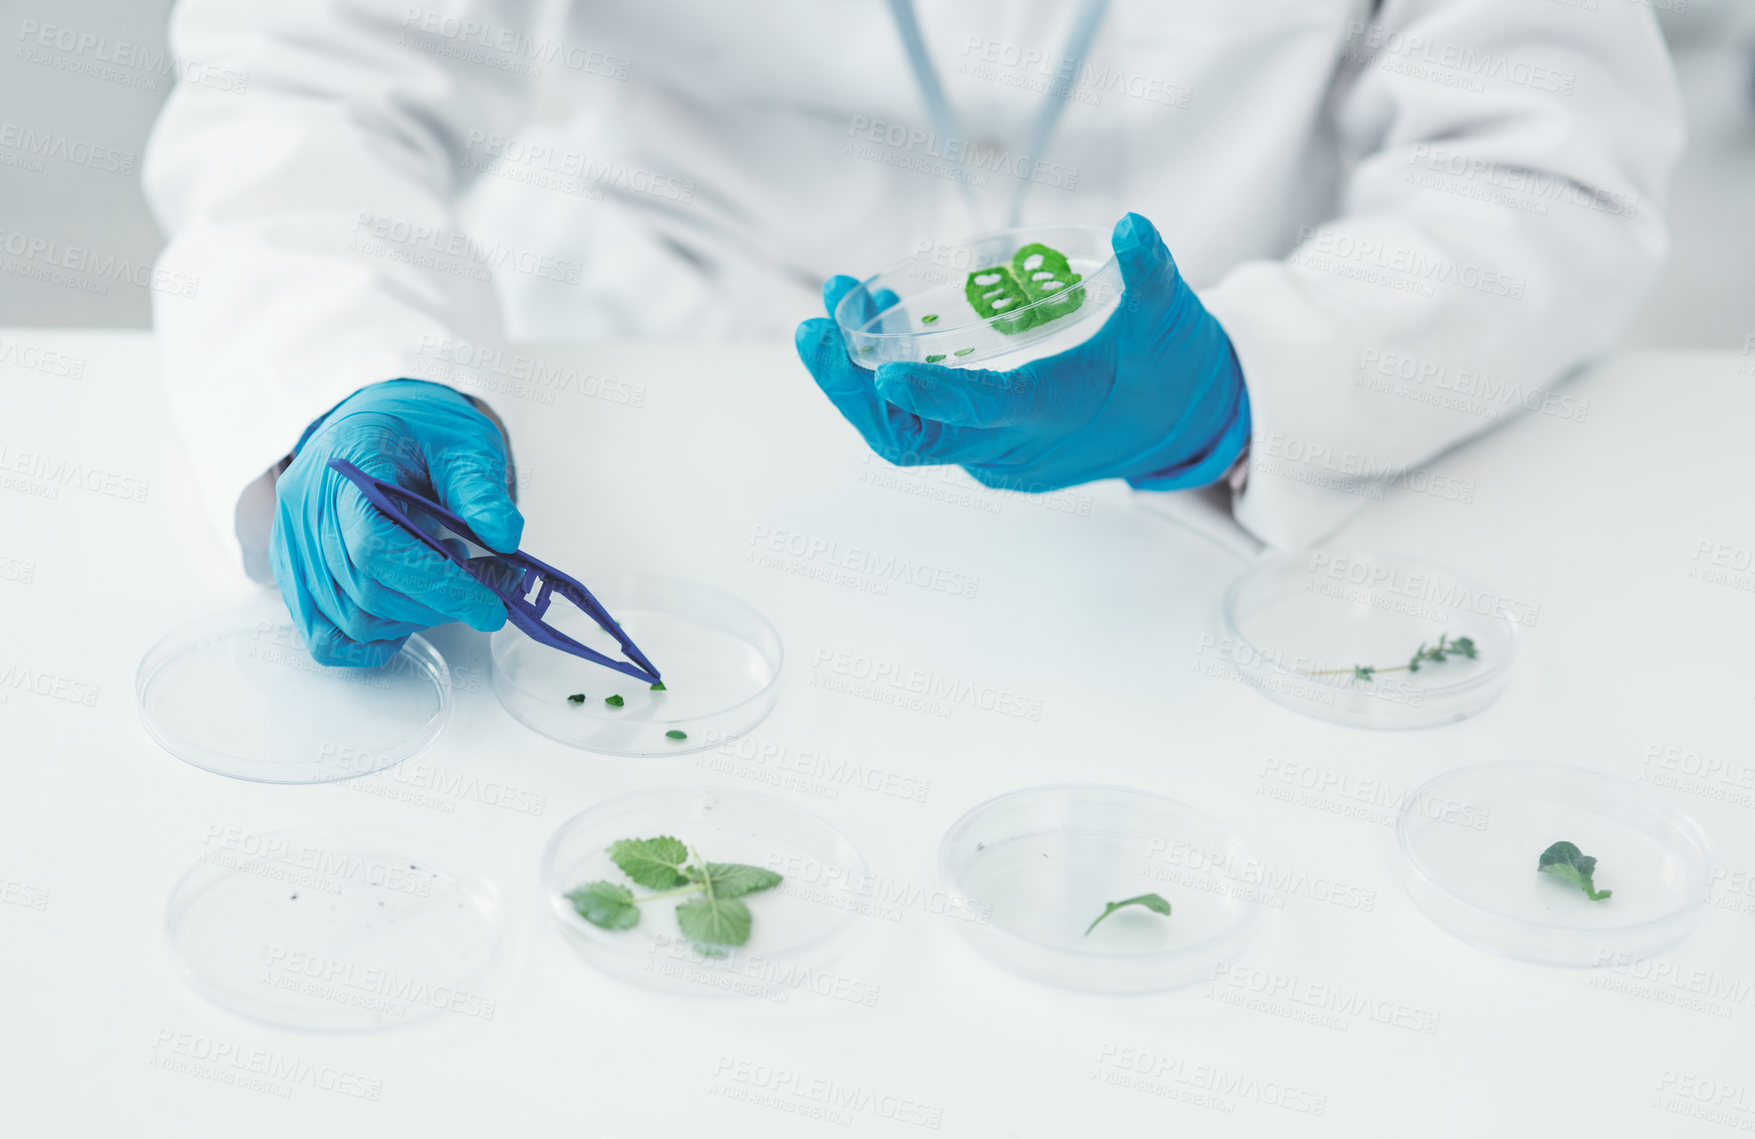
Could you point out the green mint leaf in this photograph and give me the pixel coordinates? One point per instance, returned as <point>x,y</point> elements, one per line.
<point>576,698</point>
<point>614,701</point>
<point>735,879</point>
<point>676,734</point>
<point>606,905</point>
<point>1569,864</point>
<point>1150,901</point>
<point>714,921</point>
<point>655,863</point>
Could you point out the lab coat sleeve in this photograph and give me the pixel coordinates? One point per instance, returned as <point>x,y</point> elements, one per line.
<point>310,200</point>
<point>1499,222</point>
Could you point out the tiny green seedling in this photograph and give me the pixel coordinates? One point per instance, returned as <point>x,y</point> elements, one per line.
<point>1444,649</point>
<point>676,734</point>
<point>659,687</point>
<point>1150,901</point>
<point>576,698</point>
<point>615,701</point>
<point>713,913</point>
<point>1569,864</point>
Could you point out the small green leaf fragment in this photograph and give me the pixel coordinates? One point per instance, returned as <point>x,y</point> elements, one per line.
<point>606,905</point>
<point>615,701</point>
<point>929,318</point>
<point>659,687</point>
<point>1363,672</point>
<point>714,921</point>
<point>676,734</point>
<point>1150,901</point>
<point>962,351</point>
<point>655,863</point>
<point>576,698</point>
<point>1569,864</point>
<point>935,359</point>
<point>735,879</point>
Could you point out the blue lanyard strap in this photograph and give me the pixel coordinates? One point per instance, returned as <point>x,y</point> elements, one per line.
<point>944,117</point>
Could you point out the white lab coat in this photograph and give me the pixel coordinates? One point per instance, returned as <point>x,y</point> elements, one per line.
<point>1453,196</point>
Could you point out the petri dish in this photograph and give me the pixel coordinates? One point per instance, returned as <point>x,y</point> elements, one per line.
<point>917,310</point>
<point>334,929</point>
<point>236,693</point>
<point>720,660</point>
<point>1038,865</point>
<point>1468,842</point>
<point>1296,625</point>
<point>798,927</point>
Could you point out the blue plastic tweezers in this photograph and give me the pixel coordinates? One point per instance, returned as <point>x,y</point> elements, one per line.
<point>522,609</point>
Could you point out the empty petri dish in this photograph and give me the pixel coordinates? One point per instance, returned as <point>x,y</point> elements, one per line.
<point>918,310</point>
<point>797,928</point>
<point>1038,866</point>
<point>1300,627</point>
<point>236,693</point>
<point>334,930</point>
<point>1468,845</point>
<point>720,660</point>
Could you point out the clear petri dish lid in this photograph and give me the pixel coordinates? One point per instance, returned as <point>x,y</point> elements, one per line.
<point>918,309</point>
<point>334,930</point>
<point>798,927</point>
<point>1299,626</point>
<point>719,657</point>
<point>237,693</point>
<point>1038,866</point>
<point>1469,842</point>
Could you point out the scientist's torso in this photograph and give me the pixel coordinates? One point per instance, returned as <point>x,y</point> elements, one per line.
<point>702,166</point>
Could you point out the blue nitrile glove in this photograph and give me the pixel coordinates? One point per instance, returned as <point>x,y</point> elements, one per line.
<point>355,583</point>
<point>1155,396</point>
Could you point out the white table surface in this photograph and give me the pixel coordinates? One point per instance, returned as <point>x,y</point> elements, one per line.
<point>1088,604</point>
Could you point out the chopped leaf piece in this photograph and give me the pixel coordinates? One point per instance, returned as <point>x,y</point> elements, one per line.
<point>676,734</point>
<point>962,351</point>
<point>655,863</point>
<point>607,905</point>
<point>659,687</point>
<point>1569,864</point>
<point>615,701</point>
<point>714,921</point>
<point>576,698</point>
<point>929,318</point>
<point>1151,901</point>
<point>735,879</point>
<point>935,359</point>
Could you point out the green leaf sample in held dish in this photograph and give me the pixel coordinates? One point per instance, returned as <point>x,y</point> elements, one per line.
<point>1569,864</point>
<point>995,292</point>
<point>1044,272</point>
<point>655,863</point>
<point>1150,901</point>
